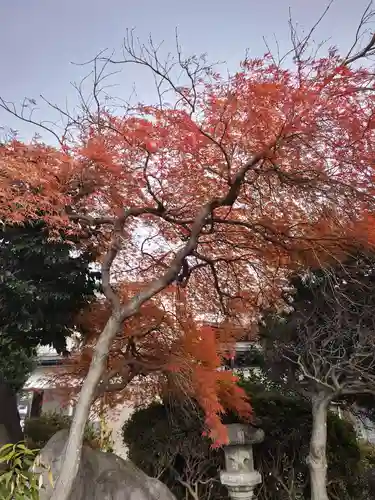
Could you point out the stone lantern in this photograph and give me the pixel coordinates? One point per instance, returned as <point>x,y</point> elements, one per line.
<point>239,475</point>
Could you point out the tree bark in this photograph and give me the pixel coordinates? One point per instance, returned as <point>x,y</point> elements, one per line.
<point>9,416</point>
<point>10,425</point>
<point>72,456</point>
<point>317,459</point>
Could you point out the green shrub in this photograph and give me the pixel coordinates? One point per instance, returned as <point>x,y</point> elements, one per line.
<point>39,430</point>
<point>172,448</point>
<point>17,481</point>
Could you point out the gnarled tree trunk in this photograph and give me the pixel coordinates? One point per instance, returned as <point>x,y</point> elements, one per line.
<point>317,458</point>
<point>72,455</point>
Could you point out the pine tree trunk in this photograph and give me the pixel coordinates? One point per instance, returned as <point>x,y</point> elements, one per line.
<point>317,459</point>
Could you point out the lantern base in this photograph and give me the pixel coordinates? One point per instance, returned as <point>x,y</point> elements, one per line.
<point>240,485</point>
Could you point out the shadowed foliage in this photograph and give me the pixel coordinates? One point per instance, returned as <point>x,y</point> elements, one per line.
<point>169,444</point>
<point>43,286</point>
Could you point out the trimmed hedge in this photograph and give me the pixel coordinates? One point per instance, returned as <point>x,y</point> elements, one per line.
<point>39,430</point>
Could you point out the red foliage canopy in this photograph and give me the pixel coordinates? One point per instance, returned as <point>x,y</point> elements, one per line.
<point>222,191</point>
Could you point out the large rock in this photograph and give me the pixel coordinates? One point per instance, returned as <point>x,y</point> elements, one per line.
<point>102,476</point>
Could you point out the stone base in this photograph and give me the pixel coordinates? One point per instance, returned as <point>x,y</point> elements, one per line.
<point>240,485</point>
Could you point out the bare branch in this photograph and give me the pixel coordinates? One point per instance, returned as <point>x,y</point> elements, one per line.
<point>354,53</point>
<point>11,108</point>
<point>300,45</point>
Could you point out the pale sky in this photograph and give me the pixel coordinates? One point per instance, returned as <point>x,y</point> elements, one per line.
<point>41,38</point>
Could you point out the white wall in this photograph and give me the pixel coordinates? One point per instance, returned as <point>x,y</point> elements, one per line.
<point>55,401</point>
<point>116,422</point>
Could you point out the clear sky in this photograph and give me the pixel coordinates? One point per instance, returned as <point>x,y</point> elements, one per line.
<point>41,38</point>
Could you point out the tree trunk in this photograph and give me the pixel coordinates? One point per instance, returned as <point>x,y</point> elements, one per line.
<point>37,404</point>
<point>10,425</point>
<point>72,455</point>
<point>9,416</point>
<point>317,459</point>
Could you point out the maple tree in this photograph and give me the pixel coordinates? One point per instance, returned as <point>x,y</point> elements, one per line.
<point>219,189</point>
